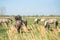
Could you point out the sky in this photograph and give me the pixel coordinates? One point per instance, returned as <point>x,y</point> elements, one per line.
<point>31,7</point>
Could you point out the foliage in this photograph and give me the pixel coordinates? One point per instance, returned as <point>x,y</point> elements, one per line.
<point>35,32</point>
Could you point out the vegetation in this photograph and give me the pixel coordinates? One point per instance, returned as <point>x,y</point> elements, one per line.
<point>36,32</point>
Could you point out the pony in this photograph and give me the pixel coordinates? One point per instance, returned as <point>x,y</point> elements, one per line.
<point>7,21</point>
<point>36,21</point>
<point>51,21</point>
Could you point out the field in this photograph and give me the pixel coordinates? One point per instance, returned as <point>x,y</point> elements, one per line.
<point>36,32</point>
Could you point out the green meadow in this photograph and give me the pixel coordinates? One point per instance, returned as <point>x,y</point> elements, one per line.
<point>36,32</point>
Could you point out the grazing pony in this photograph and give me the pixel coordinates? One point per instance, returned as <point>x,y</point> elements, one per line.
<point>19,22</point>
<point>7,21</point>
<point>36,21</point>
<point>51,21</point>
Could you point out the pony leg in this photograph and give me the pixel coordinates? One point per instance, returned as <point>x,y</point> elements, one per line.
<point>48,27</point>
<point>7,24</point>
<point>56,24</point>
<point>18,29</point>
<point>0,24</point>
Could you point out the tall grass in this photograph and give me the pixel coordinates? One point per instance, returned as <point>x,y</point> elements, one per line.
<point>36,32</point>
<point>13,34</point>
<point>1,38</point>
